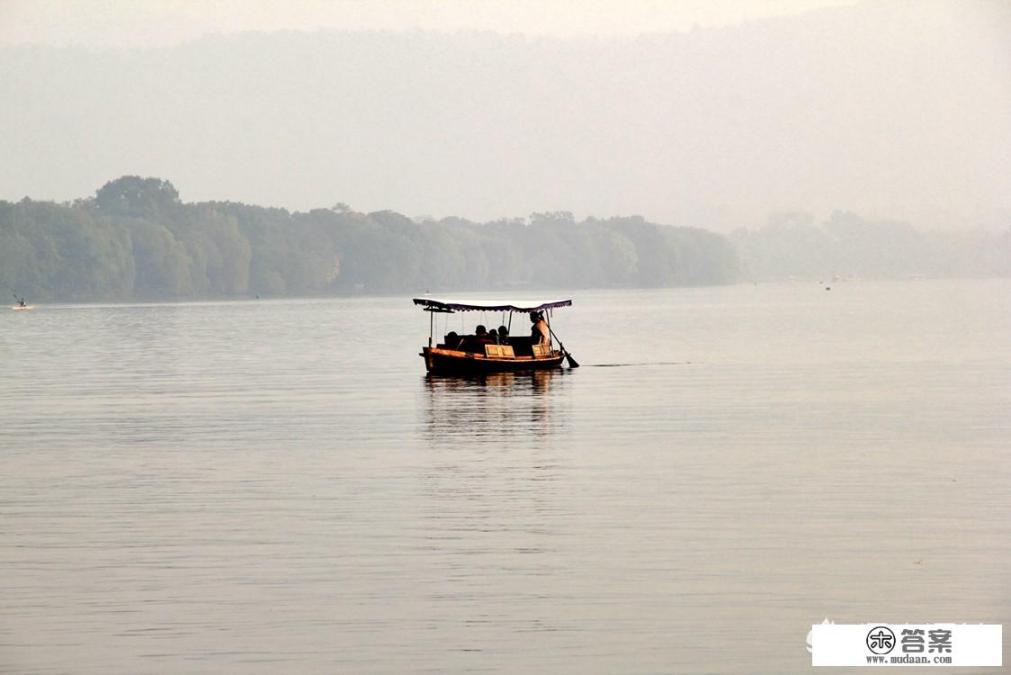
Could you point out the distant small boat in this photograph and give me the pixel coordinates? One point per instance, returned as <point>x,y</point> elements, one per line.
<point>22,308</point>
<point>478,354</point>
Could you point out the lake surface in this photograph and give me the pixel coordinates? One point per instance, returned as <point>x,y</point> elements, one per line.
<point>271,486</point>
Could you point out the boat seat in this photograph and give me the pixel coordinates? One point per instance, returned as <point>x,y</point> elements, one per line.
<point>541,350</point>
<point>499,351</point>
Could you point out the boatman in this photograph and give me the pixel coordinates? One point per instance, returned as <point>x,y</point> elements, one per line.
<point>539,332</point>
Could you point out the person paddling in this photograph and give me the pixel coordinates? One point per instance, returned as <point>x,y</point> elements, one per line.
<point>539,329</point>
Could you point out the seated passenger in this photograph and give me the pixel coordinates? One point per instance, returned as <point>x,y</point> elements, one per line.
<point>503,335</point>
<point>452,340</point>
<point>493,336</point>
<point>481,336</point>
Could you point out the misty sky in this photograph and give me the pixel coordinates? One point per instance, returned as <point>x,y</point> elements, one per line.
<point>890,109</point>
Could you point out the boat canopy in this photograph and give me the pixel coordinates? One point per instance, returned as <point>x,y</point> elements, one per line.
<point>445,305</point>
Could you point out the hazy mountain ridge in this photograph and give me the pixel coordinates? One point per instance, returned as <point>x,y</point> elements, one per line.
<point>884,108</point>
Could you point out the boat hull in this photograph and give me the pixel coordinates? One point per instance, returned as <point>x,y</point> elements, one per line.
<point>450,361</point>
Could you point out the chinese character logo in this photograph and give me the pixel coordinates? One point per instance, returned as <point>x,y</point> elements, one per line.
<point>940,641</point>
<point>881,640</point>
<point>912,640</point>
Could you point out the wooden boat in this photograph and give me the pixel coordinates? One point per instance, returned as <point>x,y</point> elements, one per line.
<point>475,355</point>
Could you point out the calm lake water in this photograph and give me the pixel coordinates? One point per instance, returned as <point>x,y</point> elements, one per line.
<point>277,487</point>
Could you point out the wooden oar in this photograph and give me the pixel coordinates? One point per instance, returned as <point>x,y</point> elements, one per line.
<point>568,356</point>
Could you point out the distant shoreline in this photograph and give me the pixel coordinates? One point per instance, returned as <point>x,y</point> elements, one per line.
<point>135,240</point>
<point>573,292</point>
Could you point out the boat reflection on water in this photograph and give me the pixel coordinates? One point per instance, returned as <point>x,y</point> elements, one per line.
<point>494,406</point>
<point>490,481</point>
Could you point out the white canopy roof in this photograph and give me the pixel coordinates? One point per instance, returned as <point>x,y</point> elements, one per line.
<point>444,304</point>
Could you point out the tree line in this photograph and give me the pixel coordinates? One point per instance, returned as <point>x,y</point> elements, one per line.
<point>136,240</point>
<point>795,245</point>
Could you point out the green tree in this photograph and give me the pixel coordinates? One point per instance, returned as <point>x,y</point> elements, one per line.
<point>136,196</point>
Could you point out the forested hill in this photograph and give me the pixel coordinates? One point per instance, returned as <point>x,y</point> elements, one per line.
<point>136,240</point>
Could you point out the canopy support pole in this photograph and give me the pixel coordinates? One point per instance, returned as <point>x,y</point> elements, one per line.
<point>431,328</point>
